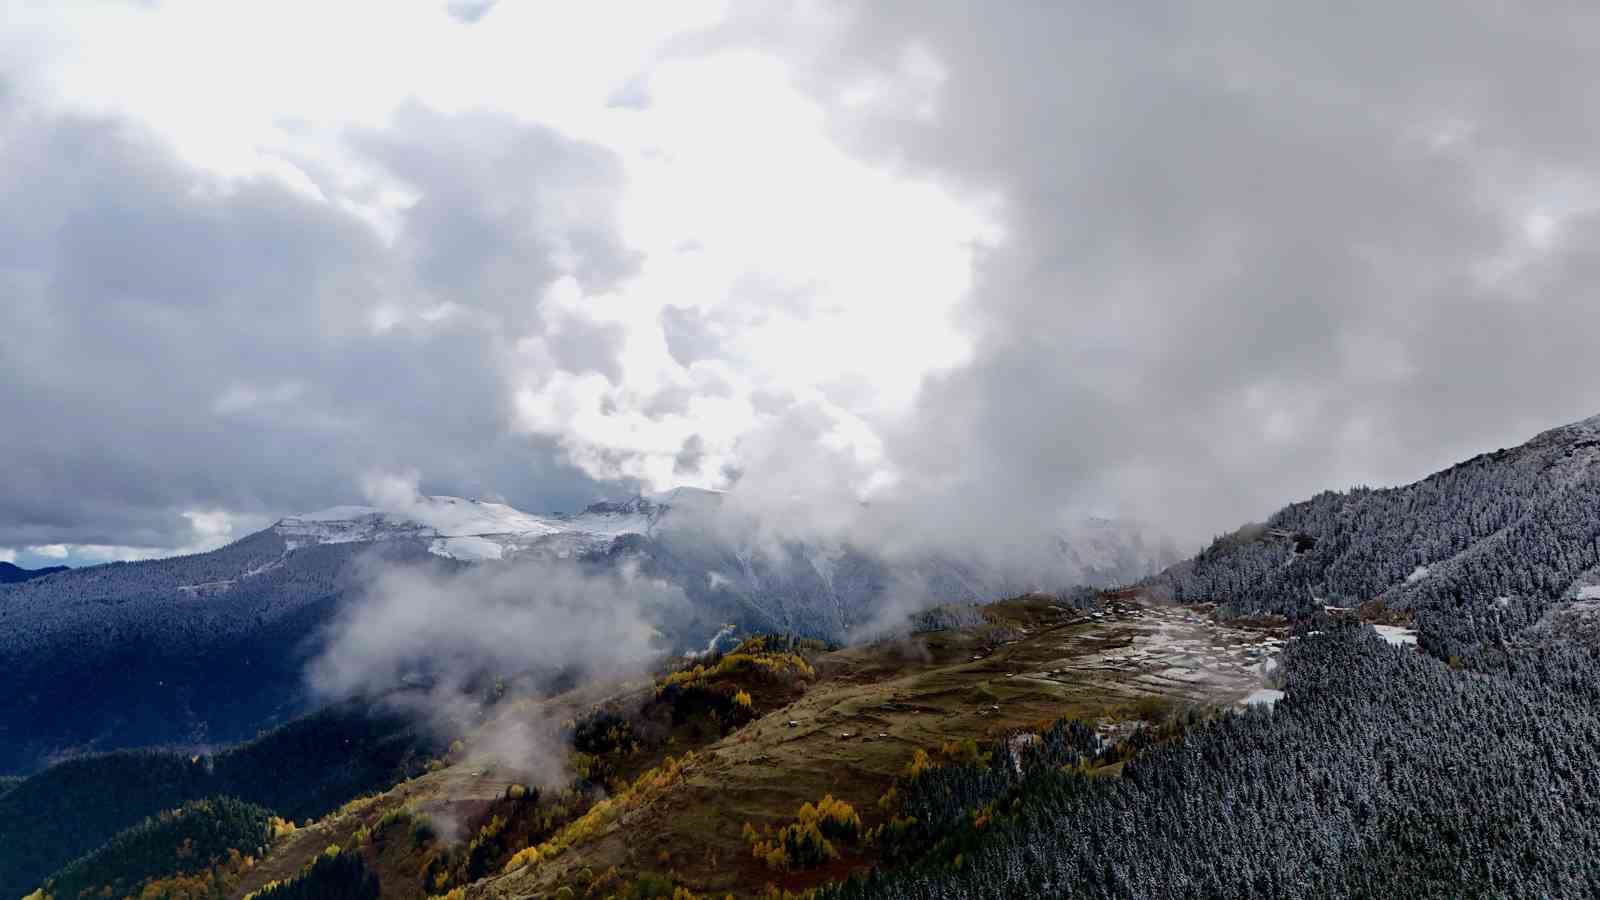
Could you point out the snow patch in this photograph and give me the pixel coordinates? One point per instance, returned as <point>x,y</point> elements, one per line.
<point>711,645</point>
<point>1263,697</point>
<point>1589,592</point>
<point>479,529</point>
<point>336,514</point>
<point>455,517</point>
<point>1396,634</point>
<point>467,548</point>
<point>612,524</point>
<point>1417,574</point>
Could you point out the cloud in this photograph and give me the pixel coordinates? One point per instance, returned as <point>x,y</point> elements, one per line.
<point>691,457</point>
<point>469,11</point>
<point>204,529</point>
<point>633,94</point>
<point>503,208</point>
<point>452,625</point>
<point>443,252</point>
<point>1248,252</point>
<point>446,629</point>
<point>958,279</point>
<point>182,341</point>
<point>689,337</point>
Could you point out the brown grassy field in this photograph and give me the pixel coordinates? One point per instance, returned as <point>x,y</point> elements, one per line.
<point>848,730</point>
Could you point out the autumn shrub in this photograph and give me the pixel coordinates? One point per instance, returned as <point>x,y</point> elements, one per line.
<point>604,731</point>
<point>808,841</point>
<point>335,874</point>
<point>645,789</point>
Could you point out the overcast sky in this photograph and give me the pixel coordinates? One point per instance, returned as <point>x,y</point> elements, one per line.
<point>992,267</point>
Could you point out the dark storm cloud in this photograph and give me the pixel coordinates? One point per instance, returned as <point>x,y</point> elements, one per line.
<point>1251,250</point>
<point>499,202</point>
<point>173,341</point>
<point>586,346</point>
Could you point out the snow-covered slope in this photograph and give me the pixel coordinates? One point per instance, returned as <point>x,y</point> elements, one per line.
<point>1476,553</point>
<point>478,529</point>
<point>1098,551</point>
<point>212,628</point>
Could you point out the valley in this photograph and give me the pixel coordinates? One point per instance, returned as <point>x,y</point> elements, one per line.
<point>211,648</point>
<point>1365,684</point>
<point>742,450</point>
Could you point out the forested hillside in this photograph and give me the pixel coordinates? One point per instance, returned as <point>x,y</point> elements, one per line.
<point>1459,771</point>
<point>187,650</point>
<point>1361,766</point>
<point>298,771</point>
<point>1476,553</point>
<point>11,573</point>
<point>195,848</point>
<point>212,647</point>
<point>1383,772</point>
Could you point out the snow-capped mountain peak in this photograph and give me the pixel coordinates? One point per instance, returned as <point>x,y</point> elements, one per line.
<point>472,529</point>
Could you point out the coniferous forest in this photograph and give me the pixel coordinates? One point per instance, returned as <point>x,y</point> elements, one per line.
<point>1461,770</point>
<point>1383,772</point>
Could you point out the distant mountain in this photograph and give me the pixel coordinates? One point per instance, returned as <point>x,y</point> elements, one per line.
<point>476,530</point>
<point>1477,553</point>
<point>685,536</point>
<point>13,574</point>
<point>212,647</point>
<point>1372,769</point>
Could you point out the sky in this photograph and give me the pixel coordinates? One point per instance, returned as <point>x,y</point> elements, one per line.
<point>981,270</point>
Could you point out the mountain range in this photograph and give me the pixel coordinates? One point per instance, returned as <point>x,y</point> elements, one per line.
<point>1442,754</point>
<point>212,647</point>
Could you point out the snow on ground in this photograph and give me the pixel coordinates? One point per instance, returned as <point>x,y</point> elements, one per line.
<point>689,499</point>
<point>1165,651</point>
<point>467,548</point>
<point>711,646</point>
<point>336,525</point>
<point>337,514</point>
<point>1396,634</point>
<point>455,517</point>
<point>1263,697</point>
<point>1417,574</point>
<point>636,521</point>
<point>477,529</point>
<point>1589,592</point>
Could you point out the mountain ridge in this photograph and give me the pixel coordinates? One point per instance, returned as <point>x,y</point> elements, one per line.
<point>474,529</point>
<point>1492,559</point>
<point>1480,550</point>
<point>11,573</point>
<point>211,647</point>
